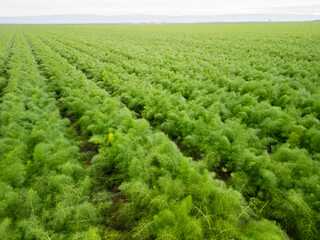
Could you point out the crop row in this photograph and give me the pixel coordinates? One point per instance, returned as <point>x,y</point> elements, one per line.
<point>266,76</point>
<point>270,120</point>
<point>5,47</point>
<point>44,188</point>
<point>270,179</point>
<point>166,195</point>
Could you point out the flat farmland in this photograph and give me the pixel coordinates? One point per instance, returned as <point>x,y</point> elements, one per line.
<point>169,131</point>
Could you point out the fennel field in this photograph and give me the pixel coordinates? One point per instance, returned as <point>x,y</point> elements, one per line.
<point>177,131</point>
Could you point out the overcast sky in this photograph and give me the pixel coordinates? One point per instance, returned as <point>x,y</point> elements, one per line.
<point>159,7</point>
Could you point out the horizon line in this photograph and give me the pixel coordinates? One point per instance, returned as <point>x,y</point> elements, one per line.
<point>167,15</point>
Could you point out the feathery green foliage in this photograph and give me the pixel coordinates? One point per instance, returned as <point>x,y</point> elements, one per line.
<point>160,132</point>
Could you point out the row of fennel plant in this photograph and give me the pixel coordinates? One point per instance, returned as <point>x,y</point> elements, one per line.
<point>191,64</point>
<point>44,188</point>
<point>167,196</point>
<point>225,142</point>
<point>251,99</point>
<point>5,47</point>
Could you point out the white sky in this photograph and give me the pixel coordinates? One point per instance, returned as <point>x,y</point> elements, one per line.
<point>159,7</point>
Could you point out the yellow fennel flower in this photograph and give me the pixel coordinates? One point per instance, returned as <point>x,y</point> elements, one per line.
<point>104,73</point>
<point>111,137</point>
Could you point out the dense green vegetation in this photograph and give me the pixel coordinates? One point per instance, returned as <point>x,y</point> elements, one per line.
<point>160,131</point>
